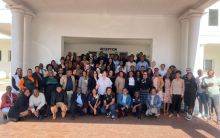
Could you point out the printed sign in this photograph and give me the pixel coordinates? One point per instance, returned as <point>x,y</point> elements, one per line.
<point>108,49</point>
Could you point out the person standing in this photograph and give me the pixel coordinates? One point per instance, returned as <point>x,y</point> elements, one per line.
<point>201,95</point>
<point>84,61</point>
<point>42,70</point>
<point>59,74</point>
<point>177,92</point>
<point>101,57</point>
<point>142,63</point>
<point>158,84</point>
<point>112,78</point>
<point>190,95</point>
<point>131,84</point>
<point>15,82</point>
<point>83,83</point>
<point>167,100</point>
<point>49,84</point>
<point>102,84</point>
<point>49,68</point>
<point>92,81</point>
<point>116,62</point>
<point>145,84</point>
<point>39,77</point>
<point>38,104</point>
<point>162,72</point>
<point>136,104</point>
<point>130,63</point>
<point>211,84</point>
<point>68,83</point>
<point>8,100</point>
<point>68,61</point>
<point>62,64</point>
<point>122,66</point>
<point>78,62</point>
<point>119,83</point>
<point>28,82</point>
<point>153,66</point>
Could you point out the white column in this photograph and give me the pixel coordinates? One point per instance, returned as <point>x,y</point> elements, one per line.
<point>27,43</point>
<point>184,44</point>
<point>17,33</point>
<point>194,26</point>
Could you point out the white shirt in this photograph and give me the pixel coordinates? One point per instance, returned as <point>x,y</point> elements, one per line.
<point>39,101</point>
<point>124,99</point>
<point>11,98</point>
<point>100,75</point>
<point>163,72</point>
<point>199,81</point>
<point>103,84</point>
<point>129,64</point>
<point>153,69</point>
<point>131,82</point>
<point>123,69</point>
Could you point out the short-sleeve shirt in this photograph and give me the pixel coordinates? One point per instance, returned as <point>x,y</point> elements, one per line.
<point>109,98</point>
<point>213,90</point>
<point>93,99</point>
<point>103,84</point>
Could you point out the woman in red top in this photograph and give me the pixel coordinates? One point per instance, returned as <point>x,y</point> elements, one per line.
<point>8,100</point>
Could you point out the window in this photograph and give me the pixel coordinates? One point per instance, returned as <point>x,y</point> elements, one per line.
<point>207,65</point>
<point>213,17</point>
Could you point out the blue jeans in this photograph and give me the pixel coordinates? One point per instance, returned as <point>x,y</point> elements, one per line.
<point>75,107</point>
<point>97,109</point>
<point>139,110</point>
<point>213,101</point>
<point>202,101</point>
<point>111,108</point>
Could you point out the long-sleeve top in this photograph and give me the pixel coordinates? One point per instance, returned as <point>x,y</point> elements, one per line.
<point>59,97</point>
<point>177,87</point>
<point>129,64</point>
<point>116,63</point>
<point>6,100</point>
<point>145,64</point>
<point>39,101</point>
<point>156,102</point>
<point>83,99</point>
<point>83,84</point>
<point>21,83</point>
<point>92,83</point>
<point>128,100</point>
<point>123,69</point>
<point>14,83</point>
<point>145,83</point>
<point>120,83</point>
<point>39,79</point>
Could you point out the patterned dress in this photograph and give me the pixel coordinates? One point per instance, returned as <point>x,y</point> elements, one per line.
<point>166,95</point>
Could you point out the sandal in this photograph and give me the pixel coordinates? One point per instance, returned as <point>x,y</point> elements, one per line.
<point>178,115</point>
<point>170,115</point>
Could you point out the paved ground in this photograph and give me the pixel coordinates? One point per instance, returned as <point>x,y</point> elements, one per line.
<point>103,127</point>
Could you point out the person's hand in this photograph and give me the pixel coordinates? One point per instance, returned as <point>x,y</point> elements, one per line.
<point>80,105</point>
<point>181,96</point>
<point>155,106</point>
<point>20,90</point>
<point>36,113</point>
<point>12,105</point>
<point>95,106</point>
<point>127,107</point>
<point>24,87</point>
<point>210,84</point>
<point>149,107</point>
<point>171,95</point>
<point>37,110</point>
<point>122,108</point>
<point>107,106</point>
<point>31,107</point>
<point>85,110</point>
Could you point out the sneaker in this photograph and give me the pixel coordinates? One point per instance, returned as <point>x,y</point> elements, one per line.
<point>188,118</point>
<point>209,120</point>
<point>4,117</point>
<point>108,114</point>
<point>218,122</point>
<point>206,117</point>
<point>40,117</point>
<point>199,115</point>
<point>113,117</point>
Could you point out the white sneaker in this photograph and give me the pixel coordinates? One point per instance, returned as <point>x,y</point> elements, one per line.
<point>188,118</point>
<point>206,117</point>
<point>199,115</point>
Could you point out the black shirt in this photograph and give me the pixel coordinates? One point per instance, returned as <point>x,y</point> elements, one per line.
<point>145,83</point>
<point>109,98</point>
<point>59,97</point>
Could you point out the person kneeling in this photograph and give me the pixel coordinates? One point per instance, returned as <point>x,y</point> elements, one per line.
<point>124,102</point>
<point>94,102</point>
<point>20,108</point>
<point>136,103</point>
<point>37,103</point>
<point>109,103</point>
<point>59,100</point>
<point>79,103</point>
<point>153,103</point>
<point>8,100</point>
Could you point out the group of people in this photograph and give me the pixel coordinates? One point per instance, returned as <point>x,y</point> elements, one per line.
<point>107,85</point>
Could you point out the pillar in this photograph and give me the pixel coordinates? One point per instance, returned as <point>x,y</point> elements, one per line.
<point>184,44</point>
<point>27,43</point>
<point>17,33</point>
<point>194,26</point>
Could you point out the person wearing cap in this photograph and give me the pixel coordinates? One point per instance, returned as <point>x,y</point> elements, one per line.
<point>124,103</point>
<point>79,103</point>
<point>59,99</point>
<point>177,93</point>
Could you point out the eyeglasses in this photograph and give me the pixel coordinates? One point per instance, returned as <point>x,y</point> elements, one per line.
<point>124,91</point>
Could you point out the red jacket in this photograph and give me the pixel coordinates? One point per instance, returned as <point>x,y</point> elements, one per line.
<point>6,100</point>
<point>81,66</point>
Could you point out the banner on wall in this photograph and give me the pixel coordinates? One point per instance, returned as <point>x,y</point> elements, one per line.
<point>108,49</point>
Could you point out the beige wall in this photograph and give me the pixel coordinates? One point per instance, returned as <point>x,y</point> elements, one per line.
<point>5,64</point>
<point>212,52</point>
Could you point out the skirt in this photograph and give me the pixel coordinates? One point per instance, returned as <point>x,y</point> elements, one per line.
<point>144,93</point>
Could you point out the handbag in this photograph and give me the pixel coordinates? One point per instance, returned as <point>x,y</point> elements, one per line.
<point>95,111</point>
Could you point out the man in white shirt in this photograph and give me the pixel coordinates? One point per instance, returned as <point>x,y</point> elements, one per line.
<point>37,101</point>
<point>42,70</point>
<point>162,71</point>
<point>130,63</point>
<point>153,66</point>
